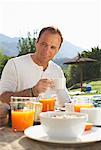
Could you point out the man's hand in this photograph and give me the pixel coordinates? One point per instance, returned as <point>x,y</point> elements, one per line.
<point>42,86</point>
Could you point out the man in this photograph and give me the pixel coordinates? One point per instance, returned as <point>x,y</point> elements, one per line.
<point>29,75</point>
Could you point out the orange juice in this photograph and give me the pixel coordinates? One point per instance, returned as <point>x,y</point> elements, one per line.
<point>48,104</point>
<point>88,126</point>
<point>22,119</point>
<point>78,106</point>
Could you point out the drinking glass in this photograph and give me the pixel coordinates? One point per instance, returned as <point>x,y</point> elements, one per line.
<point>82,102</point>
<point>38,110</point>
<point>22,113</point>
<point>48,104</point>
<point>59,83</point>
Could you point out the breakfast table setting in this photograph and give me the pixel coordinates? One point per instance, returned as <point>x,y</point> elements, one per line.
<point>10,140</point>
<point>59,129</point>
<point>36,136</point>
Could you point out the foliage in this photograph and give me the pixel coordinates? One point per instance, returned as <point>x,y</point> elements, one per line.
<point>27,45</point>
<point>90,70</point>
<point>3,61</point>
<point>72,76</point>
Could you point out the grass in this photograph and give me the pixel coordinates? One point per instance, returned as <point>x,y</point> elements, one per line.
<point>96,86</point>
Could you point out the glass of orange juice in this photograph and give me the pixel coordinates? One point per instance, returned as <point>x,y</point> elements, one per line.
<point>77,107</point>
<point>22,113</point>
<point>82,102</point>
<point>48,104</point>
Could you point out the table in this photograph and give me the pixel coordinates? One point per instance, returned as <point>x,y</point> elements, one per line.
<point>10,140</point>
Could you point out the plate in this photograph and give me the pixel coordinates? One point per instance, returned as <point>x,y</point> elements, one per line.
<point>37,133</point>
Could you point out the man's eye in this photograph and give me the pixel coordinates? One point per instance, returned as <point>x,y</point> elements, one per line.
<point>43,44</point>
<point>53,47</point>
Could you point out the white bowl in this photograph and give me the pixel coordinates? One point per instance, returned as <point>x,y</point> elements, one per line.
<point>94,115</point>
<point>57,127</point>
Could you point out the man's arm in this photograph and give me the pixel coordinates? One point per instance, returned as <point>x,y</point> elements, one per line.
<point>6,96</point>
<point>40,87</point>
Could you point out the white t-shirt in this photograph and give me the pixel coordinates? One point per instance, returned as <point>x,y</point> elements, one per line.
<point>21,73</point>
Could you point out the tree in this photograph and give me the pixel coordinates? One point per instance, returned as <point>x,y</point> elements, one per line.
<point>93,71</point>
<point>27,45</point>
<point>3,61</point>
<point>90,71</point>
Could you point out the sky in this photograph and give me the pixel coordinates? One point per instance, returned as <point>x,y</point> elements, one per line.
<point>78,20</point>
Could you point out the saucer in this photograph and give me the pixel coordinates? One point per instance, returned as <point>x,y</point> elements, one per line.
<point>37,133</point>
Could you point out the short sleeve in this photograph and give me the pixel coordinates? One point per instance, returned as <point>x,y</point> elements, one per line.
<point>9,77</point>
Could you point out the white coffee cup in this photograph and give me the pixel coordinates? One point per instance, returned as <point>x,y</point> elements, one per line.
<point>94,115</point>
<point>59,83</point>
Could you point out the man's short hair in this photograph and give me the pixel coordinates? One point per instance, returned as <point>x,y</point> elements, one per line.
<point>52,30</point>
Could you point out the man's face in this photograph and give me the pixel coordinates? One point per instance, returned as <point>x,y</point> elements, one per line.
<point>47,46</point>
